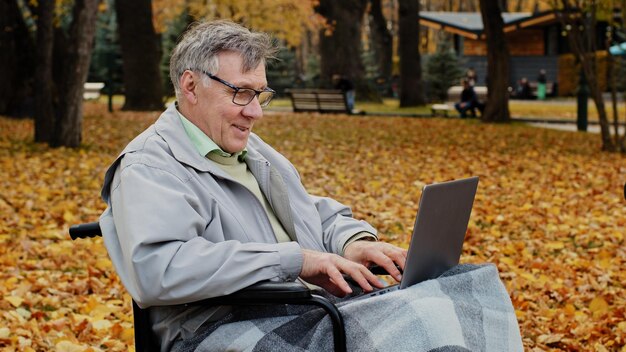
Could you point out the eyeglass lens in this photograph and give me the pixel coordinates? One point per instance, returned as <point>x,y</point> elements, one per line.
<point>244,96</point>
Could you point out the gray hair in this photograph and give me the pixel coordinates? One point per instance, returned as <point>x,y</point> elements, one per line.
<point>203,41</point>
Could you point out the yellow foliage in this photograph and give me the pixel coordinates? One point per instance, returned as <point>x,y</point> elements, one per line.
<point>287,20</point>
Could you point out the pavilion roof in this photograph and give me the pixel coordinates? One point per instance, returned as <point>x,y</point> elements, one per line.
<point>470,24</point>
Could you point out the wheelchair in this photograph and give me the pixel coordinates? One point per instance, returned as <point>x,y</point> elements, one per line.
<point>262,293</point>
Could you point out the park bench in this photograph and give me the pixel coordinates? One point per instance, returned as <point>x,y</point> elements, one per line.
<point>319,100</point>
<point>92,90</point>
<point>441,109</point>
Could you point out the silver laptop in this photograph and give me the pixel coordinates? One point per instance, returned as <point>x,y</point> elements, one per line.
<point>439,232</point>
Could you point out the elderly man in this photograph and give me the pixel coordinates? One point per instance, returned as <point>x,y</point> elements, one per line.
<point>199,206</point>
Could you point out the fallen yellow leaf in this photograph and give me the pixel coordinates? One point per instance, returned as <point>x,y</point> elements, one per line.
<point>598,307</point>
<point>15,301</point>
<point>67,346</point>
<point>555,245</point>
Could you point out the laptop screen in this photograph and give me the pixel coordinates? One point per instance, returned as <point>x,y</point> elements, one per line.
<point>439,231</point>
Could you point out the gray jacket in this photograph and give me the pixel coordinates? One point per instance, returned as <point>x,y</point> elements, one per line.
<point>179,229</point>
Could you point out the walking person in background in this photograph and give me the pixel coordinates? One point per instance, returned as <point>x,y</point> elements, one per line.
<point>541,85</point>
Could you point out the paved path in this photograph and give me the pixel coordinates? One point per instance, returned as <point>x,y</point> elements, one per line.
<point>572,127</point>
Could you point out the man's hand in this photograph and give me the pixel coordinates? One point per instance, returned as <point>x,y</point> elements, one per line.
<point>326,270</point>
<point>382,254</point>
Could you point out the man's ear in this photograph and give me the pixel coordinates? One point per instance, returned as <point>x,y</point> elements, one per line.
<point>188,86</point>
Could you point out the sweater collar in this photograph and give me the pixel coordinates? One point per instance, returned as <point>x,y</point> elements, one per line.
<point>203,143</point>
<point>170,128</point>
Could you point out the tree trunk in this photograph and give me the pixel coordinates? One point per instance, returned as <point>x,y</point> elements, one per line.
<point>382,39</point>
<point>340,49</point>
<point>16,62</point>
<point>504,5</point>
<point>141,55</point>
<point>622,143</point>
<point>612,81</point>
<point>605,130</point>
<point>583,46</point>
<point>498,61</point>
<point>411,92</point>
<point>45,107</point>
<point>68,126</point>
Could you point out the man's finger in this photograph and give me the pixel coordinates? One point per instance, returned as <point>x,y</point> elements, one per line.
<point>389,265</point>
<point>337,278</point>
<point>398,256</point>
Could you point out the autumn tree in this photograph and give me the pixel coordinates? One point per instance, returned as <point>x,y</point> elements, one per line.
<point>288,21</point>
<point>613,70</point>
<point>47,108</point>
<point>580,20</point>
<point>63,57</point>
<point>141,55</point>
<point>16,61</point>
<point>382,40</point>
<point>340,41</point>
<point>411,92</point>
<point>498,57</point>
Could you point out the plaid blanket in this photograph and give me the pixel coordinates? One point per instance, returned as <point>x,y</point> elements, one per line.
<point>466,309</point>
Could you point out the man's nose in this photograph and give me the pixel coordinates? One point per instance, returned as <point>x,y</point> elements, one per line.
<point>253,110</point>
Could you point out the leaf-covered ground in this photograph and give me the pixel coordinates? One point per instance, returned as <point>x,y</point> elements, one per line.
<point>549,212</point>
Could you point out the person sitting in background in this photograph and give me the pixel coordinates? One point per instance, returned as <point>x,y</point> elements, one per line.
<point>523,90</point>
<point>345,85</point>
<point>469,101</point>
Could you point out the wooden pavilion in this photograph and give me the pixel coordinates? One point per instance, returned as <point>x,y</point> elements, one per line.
<point>536,41</point>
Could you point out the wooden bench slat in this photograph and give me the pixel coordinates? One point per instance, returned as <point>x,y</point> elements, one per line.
<point>319,100</point>
<point>306,106</point>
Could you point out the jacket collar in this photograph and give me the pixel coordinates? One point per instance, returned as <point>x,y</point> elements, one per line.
<point>171,129</point>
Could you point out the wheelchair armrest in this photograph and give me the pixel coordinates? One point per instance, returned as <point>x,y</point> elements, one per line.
<point>264,292</point>
<point>270,289</point>
<point>91,229</point>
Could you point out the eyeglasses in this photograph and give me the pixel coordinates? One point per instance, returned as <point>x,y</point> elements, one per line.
<point>243,96</point>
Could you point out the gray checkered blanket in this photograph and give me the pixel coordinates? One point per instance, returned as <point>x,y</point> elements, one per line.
<point>466,309</point>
